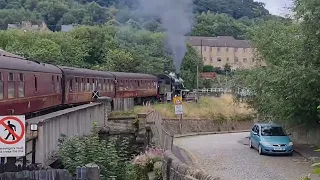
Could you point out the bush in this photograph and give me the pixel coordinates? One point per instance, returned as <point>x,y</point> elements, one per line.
<point>78,151</point>
<point>144,163</point>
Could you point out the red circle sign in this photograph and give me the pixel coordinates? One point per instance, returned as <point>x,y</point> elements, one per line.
<point>18,138</point>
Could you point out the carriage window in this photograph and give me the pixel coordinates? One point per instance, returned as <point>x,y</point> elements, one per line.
<point>88,85</point>
<point>95,88</point>
<point>11,88</point>
<point>81,85</point>
<point>111,85</point>
<point>70,85</point>
<point>76,85</point>
<point>53,84</point>
<point>58,85</point>
<point>35,84</point>
<point>1,86</point>
<point>107,84</point>
<point>21,85</point>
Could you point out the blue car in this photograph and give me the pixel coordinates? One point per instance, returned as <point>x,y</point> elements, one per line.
<point>270,139</point>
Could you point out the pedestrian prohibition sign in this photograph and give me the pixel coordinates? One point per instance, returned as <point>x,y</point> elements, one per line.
<point>12,136</point>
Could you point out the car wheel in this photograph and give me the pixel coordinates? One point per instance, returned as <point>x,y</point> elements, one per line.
<point>250,143</point>
<point>260,150</point>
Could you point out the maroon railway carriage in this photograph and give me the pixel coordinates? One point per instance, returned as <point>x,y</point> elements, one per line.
<point>28,86</point>
<point>79,84</point>
<point>135,85</point>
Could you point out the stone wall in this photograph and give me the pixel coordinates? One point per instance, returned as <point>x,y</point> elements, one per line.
<point>174,169</point>
<point>204,125</point>
<point>303,134</point>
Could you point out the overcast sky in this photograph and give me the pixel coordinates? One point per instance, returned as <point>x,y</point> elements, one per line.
<point>276,7</point>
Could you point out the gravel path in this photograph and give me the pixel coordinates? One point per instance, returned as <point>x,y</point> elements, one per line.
<point>229,157</point>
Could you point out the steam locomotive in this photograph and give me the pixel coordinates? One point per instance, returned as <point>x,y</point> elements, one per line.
<point>28,87</point>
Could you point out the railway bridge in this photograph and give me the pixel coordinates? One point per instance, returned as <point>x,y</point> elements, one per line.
<point>43,132</point>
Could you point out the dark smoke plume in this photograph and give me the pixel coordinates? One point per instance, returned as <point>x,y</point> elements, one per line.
<point>177,18</point>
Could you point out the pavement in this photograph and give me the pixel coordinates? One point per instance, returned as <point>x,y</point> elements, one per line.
<point>229,157</point>
<point>308,151</point>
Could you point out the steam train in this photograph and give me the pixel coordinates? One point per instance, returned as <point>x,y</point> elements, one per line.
<point>28,87</point>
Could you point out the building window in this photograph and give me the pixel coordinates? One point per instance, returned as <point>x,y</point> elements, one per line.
<point>211,59</point>
<point>218,49</point>
<point>219,59</point>
<point>204,48</point>
<point>21,85</point>
<point>244,59</point>
<point>227,59</point>
<point>235,59</point>
<point>210,48</point>
<point>1,86</point>
<point>204,58</point>
<point>11,88</point>
<point>252,59</point>
<point>235,49</point>
<point>244,49</point>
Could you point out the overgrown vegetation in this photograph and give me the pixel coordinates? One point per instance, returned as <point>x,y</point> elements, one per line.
<point>113,159</point>
<point>287,89</point>
<point>97,12</point>
<point>207,108</point>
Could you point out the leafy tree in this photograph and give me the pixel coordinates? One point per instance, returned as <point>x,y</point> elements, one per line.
<point>189,67</point>
<point>227,67</point>
<point>287,88</point>
<point>207,68</point>
<point>211,24</point>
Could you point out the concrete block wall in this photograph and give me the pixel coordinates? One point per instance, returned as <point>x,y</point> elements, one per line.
<point>123,104</point>
<point>72,121</point>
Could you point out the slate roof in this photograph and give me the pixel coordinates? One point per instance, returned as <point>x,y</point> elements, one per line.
<point>219,41</point>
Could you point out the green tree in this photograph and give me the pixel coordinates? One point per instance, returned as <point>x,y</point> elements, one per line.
<point>212,24</point>
<point>287,88</point>
<point>208,68</point>
<point>189,67</point>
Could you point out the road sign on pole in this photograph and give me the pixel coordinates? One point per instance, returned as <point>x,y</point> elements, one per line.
<point>12,136</point>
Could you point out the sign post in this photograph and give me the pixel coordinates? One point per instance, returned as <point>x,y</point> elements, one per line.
<point>178,108</point>
<point>12,136</point>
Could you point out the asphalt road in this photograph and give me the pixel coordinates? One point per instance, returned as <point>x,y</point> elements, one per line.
<point>229,157</point>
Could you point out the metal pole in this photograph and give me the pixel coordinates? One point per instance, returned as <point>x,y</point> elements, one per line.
<point>197,94</point>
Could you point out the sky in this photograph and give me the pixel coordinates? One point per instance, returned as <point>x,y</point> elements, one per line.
<point>276,7</point>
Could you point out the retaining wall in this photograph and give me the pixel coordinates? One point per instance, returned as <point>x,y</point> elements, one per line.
<point>204,125</point>
<point>303,134</point>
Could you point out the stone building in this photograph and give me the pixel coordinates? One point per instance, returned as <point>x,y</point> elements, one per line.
<point>222,50</point>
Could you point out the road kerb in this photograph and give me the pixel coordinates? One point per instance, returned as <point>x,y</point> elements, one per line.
<point>208,133</point>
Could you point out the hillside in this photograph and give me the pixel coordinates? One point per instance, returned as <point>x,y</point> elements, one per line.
<point>92,12</point>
